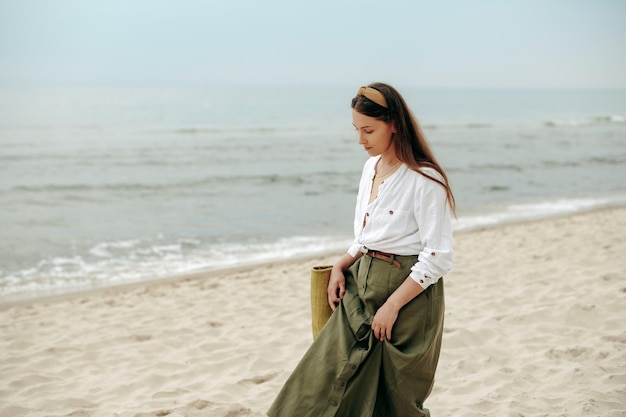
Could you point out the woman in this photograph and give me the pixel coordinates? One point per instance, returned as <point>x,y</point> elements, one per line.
<point>378,352</point>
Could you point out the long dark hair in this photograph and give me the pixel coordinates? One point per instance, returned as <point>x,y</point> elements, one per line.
<point>409,142</point>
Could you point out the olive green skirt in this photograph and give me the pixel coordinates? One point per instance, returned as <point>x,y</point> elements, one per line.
<point>347,372</point>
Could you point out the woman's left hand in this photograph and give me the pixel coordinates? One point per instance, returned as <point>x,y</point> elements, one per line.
<point>383,322</point>
<point>387,314</point>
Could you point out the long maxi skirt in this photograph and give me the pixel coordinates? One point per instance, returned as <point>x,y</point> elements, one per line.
<point>347,372</point>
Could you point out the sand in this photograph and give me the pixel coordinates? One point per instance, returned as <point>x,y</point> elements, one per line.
<point>535,326</point>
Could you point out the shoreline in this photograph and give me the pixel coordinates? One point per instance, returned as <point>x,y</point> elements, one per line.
<point>11,302</point>
<point>534,325</point>
<point>127,286</point>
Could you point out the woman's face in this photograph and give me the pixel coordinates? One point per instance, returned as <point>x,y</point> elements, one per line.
<point>374,134</point>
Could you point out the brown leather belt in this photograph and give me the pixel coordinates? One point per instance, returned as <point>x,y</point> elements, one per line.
<point>383,256</point>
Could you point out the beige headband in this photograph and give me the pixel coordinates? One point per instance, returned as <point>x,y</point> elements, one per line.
<point>373,94</point>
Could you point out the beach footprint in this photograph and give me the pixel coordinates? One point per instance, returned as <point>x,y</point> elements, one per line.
<point>259,379</point>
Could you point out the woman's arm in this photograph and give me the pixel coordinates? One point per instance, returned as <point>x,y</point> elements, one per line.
<point>433,217</point>
<point>337,284</point>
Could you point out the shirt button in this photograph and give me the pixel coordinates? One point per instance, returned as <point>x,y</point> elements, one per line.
<point>421,281</point>
<point>390,211</point>
<point>367,214</point>
<point>353,366</point>
<point>333,403</point>
<point>432,254</point>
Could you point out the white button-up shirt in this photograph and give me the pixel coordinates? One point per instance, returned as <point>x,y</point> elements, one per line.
<point>410,216</point>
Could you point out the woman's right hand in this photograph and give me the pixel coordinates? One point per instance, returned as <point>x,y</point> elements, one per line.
<point>336,287</point>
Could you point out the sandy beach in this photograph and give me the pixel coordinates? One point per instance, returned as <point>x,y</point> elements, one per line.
<point>534,327</point>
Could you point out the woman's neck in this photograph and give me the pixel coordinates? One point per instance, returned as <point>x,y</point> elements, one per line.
<point>388,159</point>
<point>386,164</point>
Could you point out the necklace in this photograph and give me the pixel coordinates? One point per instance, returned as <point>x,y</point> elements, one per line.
<point>379,178</point>
<point>388,172</point>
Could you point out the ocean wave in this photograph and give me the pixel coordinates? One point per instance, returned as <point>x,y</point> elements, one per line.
<point>533,211</point>
<point>91,187</point>
<point>470,125</point>
<point>264,179</point>
<point>220,132</point>
<point>285,130</point>
<point>609,160</point>
<point>584,161</point>
<point>586,121</point>
<point>262,130</point>
<point>118,262</point>
<point>615,159</point>
<point>489,167</point>
<point>192,130</point>
<point>496,188</point>
<point>552,123</point>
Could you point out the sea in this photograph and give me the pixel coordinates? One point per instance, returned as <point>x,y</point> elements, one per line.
<point>102,186</point>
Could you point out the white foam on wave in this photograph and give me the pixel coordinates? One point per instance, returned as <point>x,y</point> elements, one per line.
<point>125,261</point>
<point>533,211</point>
<point>107,264</point>
<point>586,121</point>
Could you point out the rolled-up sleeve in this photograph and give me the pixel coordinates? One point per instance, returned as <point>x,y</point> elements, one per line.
<point>354,249</point>
<point>434,219</point>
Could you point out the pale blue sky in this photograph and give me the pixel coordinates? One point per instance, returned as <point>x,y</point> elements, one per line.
<point>481,43</point>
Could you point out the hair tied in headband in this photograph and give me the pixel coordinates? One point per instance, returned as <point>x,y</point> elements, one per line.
<point>373,94</point>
